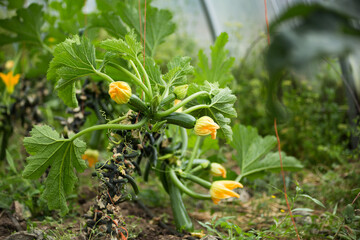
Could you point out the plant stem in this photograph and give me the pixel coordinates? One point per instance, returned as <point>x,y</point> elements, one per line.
<point>189,110</point>
<point>132,76</point>
<point>179,105</point>
<point>146,76</point>
<point>135,69</point>
<point>109,126</point>
<point>238,178</point>
<point>193,154</point>
<point>116,120</point>
<point>184,143</point>
<point>196,179</point>
<point>104,76</point>
<point>183,188</point>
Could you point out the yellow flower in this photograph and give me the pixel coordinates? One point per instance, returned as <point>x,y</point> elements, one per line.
<point>222,189</point>
<point>205,126</point>
<point>9,64</point>
<point>120,92</point>
<point>177,101</point>
<point>217,170</point>
<point>91,156</point>
<point>10,81</point>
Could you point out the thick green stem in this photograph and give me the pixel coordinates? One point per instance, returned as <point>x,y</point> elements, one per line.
<point>193,154</point>
<point>182,103</point>
<point>183,188</point>
<point>199,167</point>
<point>197,180</point>
<point>184,143</point>
<point>197,107</point>
<point>146,76</point>
<point>135,69</point>
<point>109,126</point>
<point>132,76</point>
<point>104,76</point>
<point>238,179</point>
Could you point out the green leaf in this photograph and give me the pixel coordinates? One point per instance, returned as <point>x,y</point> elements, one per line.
<point>111,22</point>
<point>74,58</point>
<point>10,161</point>
<point>153,71</point>
<point>254,152</point>
<point>219,69</point>
<point>128,49</point>
<point>25,26</point>
<point>312,199</point>
<point>178,69</point>
<point>158,23</point>
<point>220,107</point>
<point>48,148</point>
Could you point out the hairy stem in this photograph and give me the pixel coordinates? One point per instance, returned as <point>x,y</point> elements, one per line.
<point>146,77</point>
<point>193,154</point>
<point>109,126</point>
<point>197,107</point>
<point>182,103</point>
<point>183,188</point>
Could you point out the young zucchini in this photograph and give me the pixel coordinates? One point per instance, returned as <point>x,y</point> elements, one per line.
<point>169,99</point>
<point>137,104</point>
<point>181,119</point>
<point>181,217</point>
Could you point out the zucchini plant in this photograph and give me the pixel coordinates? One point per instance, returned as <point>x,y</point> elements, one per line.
<point>158,102</point>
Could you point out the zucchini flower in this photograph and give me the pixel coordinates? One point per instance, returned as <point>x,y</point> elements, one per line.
<point>217,170</point>
<point>120,92</point>
<point>222,189</point>
<point>205,126</point>
<point>181,91</point>
<point>177,101</point>
<point>10,81</point>
<point>91,156</point>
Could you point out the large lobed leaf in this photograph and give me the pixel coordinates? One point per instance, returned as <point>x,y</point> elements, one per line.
<point>158,22</point>
<point>73,59</point>
<point>47,148</point>
<point>254,154</point>
<point>129,48</point>
<point>25,26</point>
<point>219,69</point>
<point>220,106</point>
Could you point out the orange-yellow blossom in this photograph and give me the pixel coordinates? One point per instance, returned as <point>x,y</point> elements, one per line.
<point>10,81</point>
<point>222,189</point>
<point>217,170</point>
<point>91,156</point>
<point>177,101</point>
<point>120,92</point>
<point>205,126</point>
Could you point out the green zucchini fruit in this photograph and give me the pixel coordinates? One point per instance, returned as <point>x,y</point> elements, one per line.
<point>181,119</point>
<point>169,99</point>
<point>137,104</point>
<point>181,217</point>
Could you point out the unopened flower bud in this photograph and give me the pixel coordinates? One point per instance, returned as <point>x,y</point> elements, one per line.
<point>120,92</point>
<point>217,170</point>
<point>91,156</point>
<point>9,64</point>
<point>181,91</point>
<point>205,126</point>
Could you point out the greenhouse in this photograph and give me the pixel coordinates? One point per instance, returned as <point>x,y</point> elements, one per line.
<point>192,119</point>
